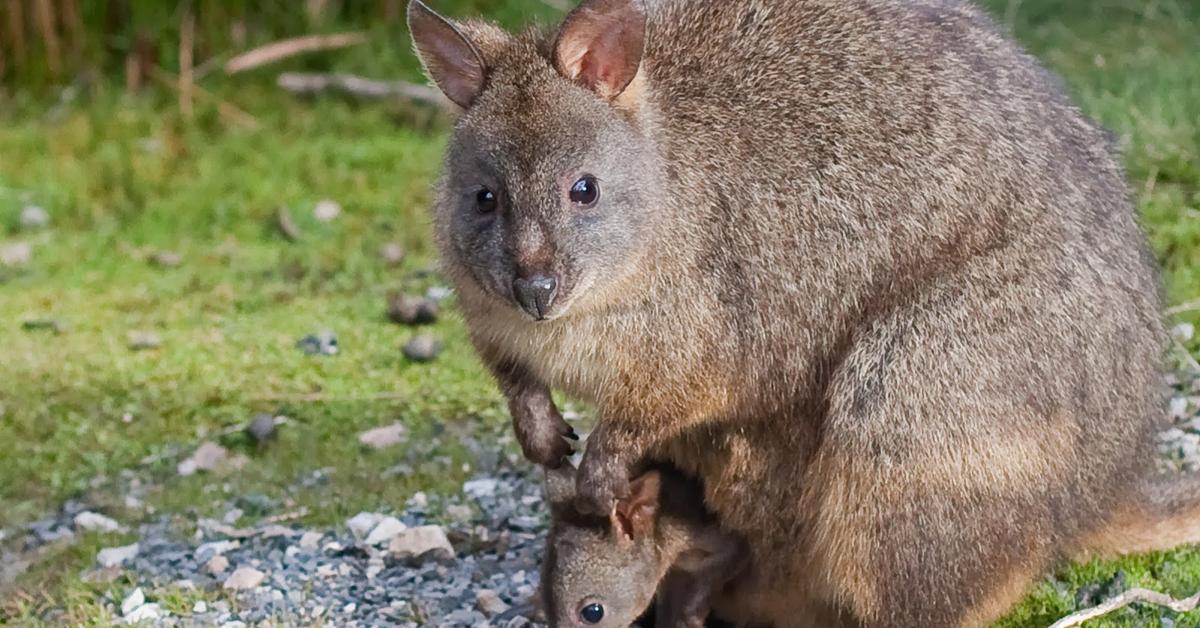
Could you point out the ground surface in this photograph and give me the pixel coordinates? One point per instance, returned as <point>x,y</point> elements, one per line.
<point>87,423</point>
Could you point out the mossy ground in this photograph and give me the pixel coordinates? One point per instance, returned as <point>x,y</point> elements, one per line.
<point>124,176</point>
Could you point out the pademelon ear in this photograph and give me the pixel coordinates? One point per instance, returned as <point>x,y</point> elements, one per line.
<point>633,516</point>
<point>450,59</point>
<point>560,485</point>
<point>600,45</point>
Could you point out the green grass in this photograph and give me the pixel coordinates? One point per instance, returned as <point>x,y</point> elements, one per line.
<point>124,176</point>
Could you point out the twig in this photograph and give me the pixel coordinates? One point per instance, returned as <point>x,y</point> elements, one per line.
<point>324,397</point>
<point>187,34</point>
<point>290,48</point>
<point>1125,599</point>
<point>228,111</point>
<point>1184,307</point>
<point>287,226</point>
<point>303,83</point>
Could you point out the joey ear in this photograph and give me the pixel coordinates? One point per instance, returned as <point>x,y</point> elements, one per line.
<point>633,516</point>
<point>600,45</point>
<point>560,485</point>
<point>449,57</point>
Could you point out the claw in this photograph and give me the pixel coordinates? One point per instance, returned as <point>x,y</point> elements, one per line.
<point>571,434</point>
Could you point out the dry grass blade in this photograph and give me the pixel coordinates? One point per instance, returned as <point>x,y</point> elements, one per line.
<point>287,226</point>
<point>187,34</point>
<point>46,23</point>
<point>302,83</point>
<point>1125,599</point>
<point>273,52</point>
<point>229,112</point>
<point>1184,307</point>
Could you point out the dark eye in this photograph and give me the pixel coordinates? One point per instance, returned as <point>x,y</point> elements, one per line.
<point>485,201</point>
<point>585,191</point>
<point>591,614</point>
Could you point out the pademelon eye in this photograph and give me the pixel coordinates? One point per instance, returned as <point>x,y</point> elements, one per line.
<point>585,191</point>
<point>592,613</point>
<point>485,201</point>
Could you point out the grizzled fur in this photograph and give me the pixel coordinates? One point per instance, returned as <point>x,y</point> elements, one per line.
<point>858,264</point>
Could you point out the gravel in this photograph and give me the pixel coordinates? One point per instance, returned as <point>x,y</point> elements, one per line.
<point>476,568</point>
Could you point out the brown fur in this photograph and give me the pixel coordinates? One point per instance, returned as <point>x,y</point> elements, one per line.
<point>859,265</point>
<point>660,542</point>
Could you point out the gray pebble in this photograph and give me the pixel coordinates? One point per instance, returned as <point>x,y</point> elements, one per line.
<point>422,348</point>
<point>34,217</point>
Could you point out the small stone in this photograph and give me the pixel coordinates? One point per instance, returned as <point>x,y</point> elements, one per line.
<point>215,548</point>
<point>200,607</point>
<point>16,254</point>
<point>323,343</point>
<point>349,608</point>
<point>1179,407</point>
<point>166,259</point>
<point>392,253</point>
<point>34,217</point>
<point>422,348</point>
<point>422,543</point>
<point>385,531</point>
<point>244,578</point>
<point>234,624</point>
<point>480,488</point>
<point>145,612</point>
<point>410,310</point>
<point>382,437</point>
<point>113,556</point>
<point>95,522</point>
<point>217,565</point>
<point>489,602</point>
<point>261,428</point>
<point>361,524</point>
<point>132,601</point>
<point>209,456</point>
<point>327,210</point>
<point>459,512</point>
<point>1183,332</point>
<point>418,501</point>
<point>144,340</point>
<point>311,540</point>
<point>437,294</point>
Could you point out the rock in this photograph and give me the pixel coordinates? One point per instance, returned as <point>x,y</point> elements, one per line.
<point>200,607</point>
<point>166,259</point>
<point>386,436</point>
<point>480,488</point>
<point>34,217</point>
<point>1179,407</point>
<point>323,343</point>
<point>217,565</point>
<point>1183,332</point>
<point>311,540</point>
<point>113,556</point>
<point>459,512</point>
<point>385,531</point>
<point>262,428</point>
<point>143,340</point>
<point>361,524</point>
<point>392,253</point>
<point>234,624</point>
<point>209,456</point>
<point>410,310</point>
<point>244,578</point>
<point>422,543</point>
<point>132,601</point>
<point>489,603</point>
<point>215,548</point>
<point>95,522</point>
<point>327,210</point>
<point>437,294</point>
<point>16,254</point>
<point>143,613</point>
<point>422,348</point>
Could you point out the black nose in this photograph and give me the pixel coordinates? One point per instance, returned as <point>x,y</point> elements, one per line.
<point>535,294</point>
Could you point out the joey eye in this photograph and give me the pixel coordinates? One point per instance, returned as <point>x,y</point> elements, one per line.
<point>585,191</point>
<point>485,201</point>
<point>592,613</point>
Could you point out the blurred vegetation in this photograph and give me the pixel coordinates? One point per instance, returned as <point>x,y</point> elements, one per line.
<point>124,172</point>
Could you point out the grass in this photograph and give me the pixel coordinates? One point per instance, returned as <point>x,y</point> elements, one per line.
<point>124,176</point>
